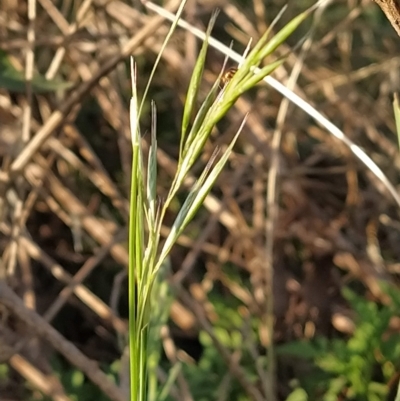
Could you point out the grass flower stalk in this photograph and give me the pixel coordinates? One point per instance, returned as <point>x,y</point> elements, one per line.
<point>147,262</point>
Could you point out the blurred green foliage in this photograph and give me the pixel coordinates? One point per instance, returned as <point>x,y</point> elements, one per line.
<point>359,367</point>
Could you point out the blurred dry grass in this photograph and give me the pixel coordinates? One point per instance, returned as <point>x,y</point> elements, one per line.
<point>65,175</point>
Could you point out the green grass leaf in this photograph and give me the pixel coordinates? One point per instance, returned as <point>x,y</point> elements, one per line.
<point>14,80</point>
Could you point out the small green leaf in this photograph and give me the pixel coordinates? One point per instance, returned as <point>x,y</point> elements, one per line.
<point>195,83</point>
<point>300,349</point>
<point>298,395</point>
<point>200,116</point>
<point>77,379</point>
<point>281,36</point>
<point>14,80</point>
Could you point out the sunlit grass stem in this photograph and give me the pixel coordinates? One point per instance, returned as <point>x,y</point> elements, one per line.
<point>146,260</point>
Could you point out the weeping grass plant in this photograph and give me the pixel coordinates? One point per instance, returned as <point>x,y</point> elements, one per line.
<point>147,256</point>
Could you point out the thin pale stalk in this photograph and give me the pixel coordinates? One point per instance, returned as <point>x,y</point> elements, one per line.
<point>160,53</point>
<point>132,241</point>
<point>151,191</point>
<point>396,108</point>
<point>136,239</point>
<point>398,393</point>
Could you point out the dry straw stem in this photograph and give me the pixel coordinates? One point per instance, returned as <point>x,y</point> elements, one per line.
<point>391,8</point>
<point>29,68</point>
<point>293,97</point>
<point>58,116</point>
<point>48,384</point>
<point>44,330</point>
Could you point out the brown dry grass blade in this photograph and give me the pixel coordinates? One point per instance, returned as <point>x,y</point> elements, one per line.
<point>391,8</point>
